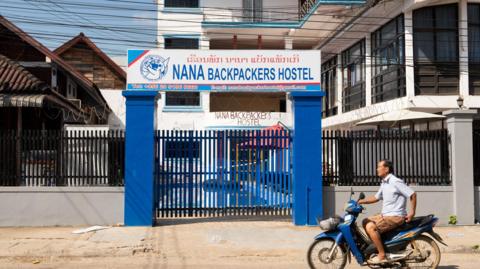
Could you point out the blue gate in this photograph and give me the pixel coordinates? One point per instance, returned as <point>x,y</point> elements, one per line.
<point>223,173</point>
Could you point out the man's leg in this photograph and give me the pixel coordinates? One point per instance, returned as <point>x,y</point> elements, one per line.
<point>372,231</point>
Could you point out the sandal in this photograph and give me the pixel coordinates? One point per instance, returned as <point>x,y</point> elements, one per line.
<point>376,260</point>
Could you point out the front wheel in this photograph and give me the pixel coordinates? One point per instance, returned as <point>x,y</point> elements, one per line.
<point>425,253</point>
<point>319,252</point>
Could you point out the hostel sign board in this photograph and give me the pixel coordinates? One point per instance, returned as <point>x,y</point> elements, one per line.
<point>224,70</point>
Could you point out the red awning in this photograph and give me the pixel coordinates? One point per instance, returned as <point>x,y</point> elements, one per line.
<point>275,136</point>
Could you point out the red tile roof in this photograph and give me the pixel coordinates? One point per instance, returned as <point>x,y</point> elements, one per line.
<point>15,78</point>
<point>16,83</point>
<point>81,79</point>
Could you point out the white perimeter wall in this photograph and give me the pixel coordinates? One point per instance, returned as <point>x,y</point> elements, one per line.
<point>63,206</point>
<point>437,200</point>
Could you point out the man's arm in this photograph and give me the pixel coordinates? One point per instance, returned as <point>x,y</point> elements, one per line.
<point>369,200</point>
<point>372,199</point>
<point>407,192</point>
<point>413,207</point>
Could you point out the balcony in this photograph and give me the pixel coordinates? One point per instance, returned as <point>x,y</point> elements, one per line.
<point>286,17</point>
<point>248,17</point>
<point>309,6</point>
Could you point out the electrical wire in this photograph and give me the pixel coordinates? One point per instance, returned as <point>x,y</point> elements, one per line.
<point>153,43</point>
<point>327,21</point>
<point>36,22</point>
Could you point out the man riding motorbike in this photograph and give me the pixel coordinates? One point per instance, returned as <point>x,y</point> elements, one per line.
<point>394,193</point>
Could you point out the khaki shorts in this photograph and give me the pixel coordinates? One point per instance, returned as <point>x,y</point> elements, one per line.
<point>386,223</point>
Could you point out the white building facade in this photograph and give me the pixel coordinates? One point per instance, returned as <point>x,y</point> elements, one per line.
<point>417,55</point>
<point>377,56</point>
<point>241,25</point>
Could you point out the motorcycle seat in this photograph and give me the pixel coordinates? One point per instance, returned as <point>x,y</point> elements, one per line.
<point>416,222</point>
<point>423,220</point>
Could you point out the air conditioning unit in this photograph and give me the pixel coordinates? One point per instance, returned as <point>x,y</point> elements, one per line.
<point>76,102</point>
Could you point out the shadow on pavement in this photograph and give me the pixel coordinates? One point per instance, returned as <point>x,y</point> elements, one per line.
<point>448,267</point>
<point>178,221</point>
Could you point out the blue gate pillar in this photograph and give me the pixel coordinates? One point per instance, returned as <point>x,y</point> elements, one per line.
<point>307,157</point>
<point>139,157</point>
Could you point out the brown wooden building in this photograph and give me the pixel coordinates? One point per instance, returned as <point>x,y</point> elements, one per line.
<point>39,90</point>
<point>81,53</point>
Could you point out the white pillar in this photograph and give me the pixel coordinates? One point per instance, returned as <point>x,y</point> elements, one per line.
<point>289,104</point>
<point>204,43</point>
<point>368,71</point>
<point>160,42</point>
<point>339,85</point>
<point>288,43</point>
<point>459,125</point>
<point>288,40</point>
<point>160,38</point>
<point>409,70</point>
<point>160,45</point>
<point>463,48</point>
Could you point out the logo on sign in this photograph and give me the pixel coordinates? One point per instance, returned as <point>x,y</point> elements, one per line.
<point>154,67</point>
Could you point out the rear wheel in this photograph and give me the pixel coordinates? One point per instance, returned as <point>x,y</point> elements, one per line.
<point>425,253</point>
<point>319,252</point>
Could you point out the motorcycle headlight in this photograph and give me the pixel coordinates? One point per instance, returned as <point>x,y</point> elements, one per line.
<point>348,207</point>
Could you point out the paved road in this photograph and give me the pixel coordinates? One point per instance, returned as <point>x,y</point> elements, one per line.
<point>449,261</point>
<point>217,244</point>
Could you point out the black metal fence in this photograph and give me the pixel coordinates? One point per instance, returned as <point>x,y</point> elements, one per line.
<point>96,158</point>
<point>420,157</point>
<point>62,158</point>
<point>476,156</point>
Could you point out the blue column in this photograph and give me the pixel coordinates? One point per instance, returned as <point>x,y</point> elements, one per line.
<point>139,157</point>
<point>307,157</point>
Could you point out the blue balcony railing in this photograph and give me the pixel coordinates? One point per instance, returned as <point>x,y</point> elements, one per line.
<point>309,6</point>
<point>220,17</point>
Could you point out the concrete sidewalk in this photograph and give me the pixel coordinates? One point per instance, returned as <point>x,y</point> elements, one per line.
<point>197,244</point>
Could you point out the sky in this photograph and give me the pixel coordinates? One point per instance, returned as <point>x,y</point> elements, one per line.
<point>114,26</point>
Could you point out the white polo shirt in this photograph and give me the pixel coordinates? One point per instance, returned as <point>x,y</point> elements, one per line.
<point>394,193</point>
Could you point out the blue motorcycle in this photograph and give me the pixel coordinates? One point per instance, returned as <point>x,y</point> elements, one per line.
<point>410,245</point>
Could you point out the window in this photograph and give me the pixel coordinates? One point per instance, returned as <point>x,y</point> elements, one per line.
<point>388,57</point>
<point>181,43</point>
<point>329,85</point>
<point>181,3</point>
<point>474,48</point>
<point>435,43</point>
<point>248,102</point>
<point>283,105</point>
<point>353,69</point>
<point>182,149</point>
<point>182,99</point>
<point>253,10</point>
<point>71,89</point>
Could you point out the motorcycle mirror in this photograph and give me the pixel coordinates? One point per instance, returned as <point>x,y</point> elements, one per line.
<point>351,193</point>
<point>361,196</point>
